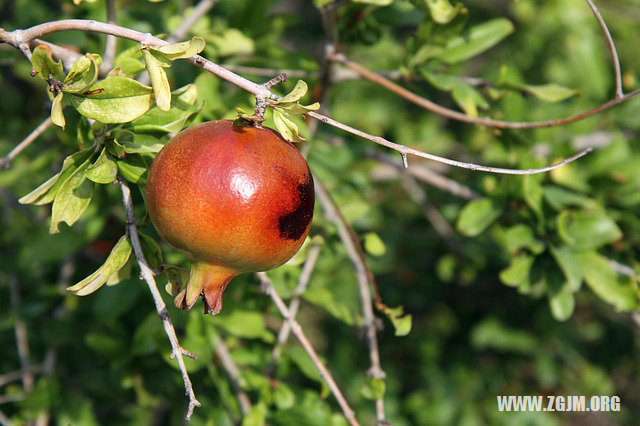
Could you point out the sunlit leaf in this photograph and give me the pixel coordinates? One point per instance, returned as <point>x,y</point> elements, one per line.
<point>479,38</point>
<point>43,63</point>
<point>159,81</point>
<point>104,170</point>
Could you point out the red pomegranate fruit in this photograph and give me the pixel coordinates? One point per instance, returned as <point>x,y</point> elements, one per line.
<point>232,199</point>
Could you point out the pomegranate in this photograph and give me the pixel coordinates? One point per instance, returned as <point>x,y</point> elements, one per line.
<point>232,199</point>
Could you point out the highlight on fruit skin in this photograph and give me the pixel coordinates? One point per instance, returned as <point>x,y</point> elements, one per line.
<point>232,199</point>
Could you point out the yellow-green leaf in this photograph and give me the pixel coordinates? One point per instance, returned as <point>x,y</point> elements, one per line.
<point>104,170</point>
<point>159,81</point>
<point>287,128</point>
<point>72,199</point>
<point>43,63</point>
<point>57,117</point>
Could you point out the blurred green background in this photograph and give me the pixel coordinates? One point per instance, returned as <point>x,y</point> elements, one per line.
<point>527,290</point>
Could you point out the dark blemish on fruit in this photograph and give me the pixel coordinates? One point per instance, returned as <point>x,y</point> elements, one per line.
<point>292,225</point>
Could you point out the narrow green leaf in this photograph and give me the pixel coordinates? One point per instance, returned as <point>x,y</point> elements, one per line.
<point>104,170</point>
<point>297,109</point>
<point>72,199</point>
<point>549,92</point>
<point>185,49</point>
<point>442,11</point>
<point>117,259</point>
<point>479,38</point>
<point>46,192</point>
<point>560,198</point>
<point>83,74</point>
<point>151,249</point>
<point>477,216</point>
<point>113,100</point>
<point>44,65</point>
<point>159,81</point>
<point>517,273</point>
<point>374,245</point>
<point>587,230</point>
<point>570,264</point>
<point>401,321</point>
<point>57,117</point>
<point>296,94</point>
<point>601,277</point>
<point>133,168</point>
<point>562,303</point>
<point>287,128</point>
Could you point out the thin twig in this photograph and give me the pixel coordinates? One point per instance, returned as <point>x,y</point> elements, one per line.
<point>6,161</point>
<point>456,115</point>
<point>294,305</point>
<point>260,91</point>
<point>427,175</point>
<point>365,279</point>
<point>222,351</point>
<point>22,340</point>
<point>403,149</point>
<point>110,41</point>
<point>17,375</point>
<point>268,288</point>
<point>147,274</point>
<point>185,26</point>
<point>14,397</point>
<point>4,420</point>
<point>612,48</point>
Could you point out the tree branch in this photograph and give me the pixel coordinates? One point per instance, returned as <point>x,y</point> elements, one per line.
<point>110,41</point>
<point>222,351</point>
<point>21,335</point>
<point>42,127</point>
<point>294,305</point>
<point>365,279</point>
<point>18,36</point>
<point>185,26</point>
<point>268,288</point>
<point>161,308</point>
<point>612,48</point>
<point>456,115</point>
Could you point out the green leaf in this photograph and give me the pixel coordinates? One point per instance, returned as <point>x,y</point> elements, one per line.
<point>117,259</point>
<point>287,128</point>
<point>326,299</point>
<point>113,100</point>
<point>522,236</point>
<point>173,51</point>
<point>44,65</point>
<point>183,108</point>
<point>230,41</point>
<point>256,416</point>
<point>477,216</point>
<point>283,396</point>
<point>562,303</point>
<point>72,199</point>
<point>560,198</point>
<point>374,388</point>
<point>570,264</point>
<point>479,38</point>
<point>442,11</point>
<point>159,81</point>
<point>587,230</point>
<point>134,167</point>
<point>517,273</point>
<point>492,334</point>
<point>104,170</point>
<point>467,97</point>
<point>57,117</point>
<point>129,61</point>
<point>122,274</point>
<point>83,74</point>
<point>620,291</point>
<point>45,193</point>
<point>247,325</point>
<point>549,92</point>
<point>296,94</point>
<point>401,321</point>
<point>151,249</point>
<point>136,143</point>
<point>374,245</point>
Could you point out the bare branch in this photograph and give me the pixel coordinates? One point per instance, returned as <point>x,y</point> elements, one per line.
<point>222,351</point>
<point>365,278</point>
<point>427,175</point>
<point>21,335</point>
<point>17,375</point>
<point>402,149</point>
<point>110,41</point>
<point>185,26</point>
<point>6,161</point>
<point>262,92</point>
<point>294,305</point>
<point>456,115</point>
<point>161,308</point>
<point>268,288</point>
<point>612,48</point>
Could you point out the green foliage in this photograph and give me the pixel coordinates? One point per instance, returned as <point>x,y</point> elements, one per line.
<point>525,290</point>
